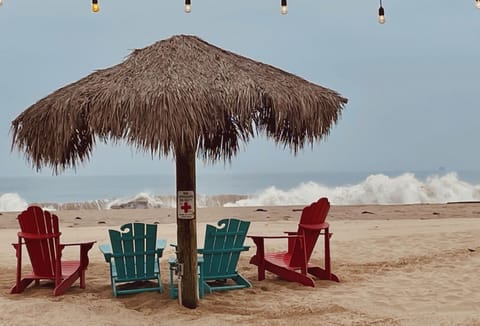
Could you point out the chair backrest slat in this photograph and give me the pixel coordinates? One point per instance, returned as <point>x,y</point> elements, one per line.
<point>139,240</point>
<point>151,245</point>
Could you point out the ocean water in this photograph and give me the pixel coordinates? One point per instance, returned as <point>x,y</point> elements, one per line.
<point>240,189</point>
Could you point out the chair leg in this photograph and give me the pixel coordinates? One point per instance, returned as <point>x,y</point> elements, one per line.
<point>201,281</point>
<point>327,252</point>
<point>114,287</point>
<point>173,293</point>
<point>320,273</point>
<point>240,280</point>
<point>65,284</point>
<point>259,257</point>
<point>160,288</point>
<point>290,275</point>
<point>21,285</point>
<point>82,279</point>
<point>260,263</point>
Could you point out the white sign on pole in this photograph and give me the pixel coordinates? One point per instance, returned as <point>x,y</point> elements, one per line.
<point>185,205</point>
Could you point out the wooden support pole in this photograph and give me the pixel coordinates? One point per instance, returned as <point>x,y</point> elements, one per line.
<point>187,226</point>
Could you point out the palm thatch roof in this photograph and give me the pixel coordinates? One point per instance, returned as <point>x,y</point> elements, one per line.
<point>181,92</point>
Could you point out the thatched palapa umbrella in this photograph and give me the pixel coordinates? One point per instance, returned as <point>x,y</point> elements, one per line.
<point>183,97</point>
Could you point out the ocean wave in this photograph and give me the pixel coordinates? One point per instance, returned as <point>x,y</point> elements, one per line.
<point>12,202</point>
<point>375,189</point>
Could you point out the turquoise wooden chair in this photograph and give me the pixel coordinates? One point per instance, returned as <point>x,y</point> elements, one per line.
<point>221,252</point>
<point>219,257</point>
<point>134,258</point>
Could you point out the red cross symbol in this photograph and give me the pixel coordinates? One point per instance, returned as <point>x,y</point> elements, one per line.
<point>185,207</point>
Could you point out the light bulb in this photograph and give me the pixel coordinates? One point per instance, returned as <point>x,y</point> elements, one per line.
<point>1,2</point>
<point>477,4</point>
<point>188,6</point>
<point>284,8</point>
<point>381,15</point>
<point>95,6</point>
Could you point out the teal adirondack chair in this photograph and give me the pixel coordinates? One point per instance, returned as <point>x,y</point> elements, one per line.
<point>219,257</point>
<point>221,251</point>
<point>134,258</point>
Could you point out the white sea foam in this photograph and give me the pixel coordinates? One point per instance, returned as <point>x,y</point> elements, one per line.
<point>11,202</point>
<point>148,200</point>
<point>141,200</point>
<point>375,189</point>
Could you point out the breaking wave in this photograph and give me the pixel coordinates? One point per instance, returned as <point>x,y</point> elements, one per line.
<point>375,189</point>
<point>11,202</point>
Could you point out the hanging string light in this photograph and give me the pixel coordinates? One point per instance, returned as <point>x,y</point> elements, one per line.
<point>381,14</point>
<point>95,7</point>
<point>477,4</point>
<point>284,8</point>
<point>188,6</point>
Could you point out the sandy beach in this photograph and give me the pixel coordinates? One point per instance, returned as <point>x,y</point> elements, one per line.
<point>398,265</point>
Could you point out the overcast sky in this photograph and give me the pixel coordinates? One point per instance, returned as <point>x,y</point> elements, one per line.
<point>413,84</point>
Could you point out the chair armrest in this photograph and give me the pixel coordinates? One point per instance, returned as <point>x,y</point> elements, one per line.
<point>174,245</point>
<point>88,243</point>
<point>17,244</point>
<point>84,248</point>
<point>106,251</point>
<point>291,232</point>
<point>320,226</point>
<point>161,243</point>
<point>275,236</point>
<point>259,241</point>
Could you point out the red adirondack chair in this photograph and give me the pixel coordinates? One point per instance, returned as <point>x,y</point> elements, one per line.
<point>40,234</point>
<point>293,265</point>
